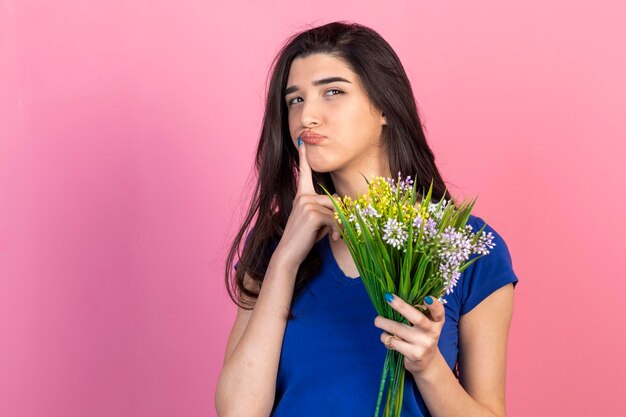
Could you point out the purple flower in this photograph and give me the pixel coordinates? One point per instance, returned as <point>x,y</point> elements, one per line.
<point>405,185</point>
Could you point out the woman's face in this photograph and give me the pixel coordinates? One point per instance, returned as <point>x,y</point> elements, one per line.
<point>336,109</point>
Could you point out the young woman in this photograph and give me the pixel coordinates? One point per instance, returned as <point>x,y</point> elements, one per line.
<point>306,340</point>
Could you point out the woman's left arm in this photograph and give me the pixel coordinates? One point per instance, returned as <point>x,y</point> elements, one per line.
<point>483,336</point>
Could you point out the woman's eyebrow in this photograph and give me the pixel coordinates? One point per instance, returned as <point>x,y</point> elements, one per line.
<point>328,80</point>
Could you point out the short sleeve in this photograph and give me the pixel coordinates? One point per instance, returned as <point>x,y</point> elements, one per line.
<point>489,273</point>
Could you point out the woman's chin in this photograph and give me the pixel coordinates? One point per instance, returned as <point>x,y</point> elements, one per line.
<point>322,168</point>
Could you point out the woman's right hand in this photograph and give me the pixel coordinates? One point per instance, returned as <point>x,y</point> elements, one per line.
<point>312,217</point>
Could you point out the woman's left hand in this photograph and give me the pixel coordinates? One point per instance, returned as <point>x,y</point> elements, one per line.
<point>418,340</point>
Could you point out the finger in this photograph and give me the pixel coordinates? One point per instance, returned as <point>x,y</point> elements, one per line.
<point>395,343</point>
<point>322,200</point>
<point>409,312</point>
<point>305,176</point>
<point>436,309</point>
<point>321,232</point>
<point>326,202</point>
<point>401,330</point>
<point>326,221</point>
<point>330,230</point>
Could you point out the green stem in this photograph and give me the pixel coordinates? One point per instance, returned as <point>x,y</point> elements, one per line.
<point>400,387</point>
<point>396,390</point>
<point>382,382</point>
<point>392,384</point>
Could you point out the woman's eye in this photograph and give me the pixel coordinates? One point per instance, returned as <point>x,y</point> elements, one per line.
<point>290,102</point>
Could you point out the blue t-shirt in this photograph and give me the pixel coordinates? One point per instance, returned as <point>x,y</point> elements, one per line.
<point>332,357</point>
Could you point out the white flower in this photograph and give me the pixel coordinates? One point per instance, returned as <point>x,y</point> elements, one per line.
<point>395,233</point>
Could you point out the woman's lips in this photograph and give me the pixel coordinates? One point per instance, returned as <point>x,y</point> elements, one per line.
<point>311,139</point>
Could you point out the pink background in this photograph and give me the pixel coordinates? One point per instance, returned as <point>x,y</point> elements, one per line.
<point>127,133</point>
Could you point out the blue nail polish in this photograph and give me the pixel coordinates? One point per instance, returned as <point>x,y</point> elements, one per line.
<point>428,299</point>
<point>299,142</point>
<point>388,297</point>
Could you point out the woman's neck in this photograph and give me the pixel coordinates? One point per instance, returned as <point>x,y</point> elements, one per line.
<point>351,182</point>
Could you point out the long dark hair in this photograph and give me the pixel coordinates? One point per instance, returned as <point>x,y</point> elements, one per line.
<point>276,164</point>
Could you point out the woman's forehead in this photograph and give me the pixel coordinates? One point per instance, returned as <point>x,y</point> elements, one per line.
<point>318,66</point>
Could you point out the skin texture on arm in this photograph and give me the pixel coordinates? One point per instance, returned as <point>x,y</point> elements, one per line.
<point>241,320</point>
<point>483,336</point>
<point>246,385</point>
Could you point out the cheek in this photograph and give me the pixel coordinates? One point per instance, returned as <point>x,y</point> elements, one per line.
<point>369,131</point>
<point>353,121</point>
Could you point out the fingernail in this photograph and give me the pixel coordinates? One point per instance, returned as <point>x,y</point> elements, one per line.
<point>428,299</point>
<point>388,297</point>
<point>299,142</point>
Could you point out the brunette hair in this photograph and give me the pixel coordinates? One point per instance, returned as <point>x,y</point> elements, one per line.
<point>276,165</point>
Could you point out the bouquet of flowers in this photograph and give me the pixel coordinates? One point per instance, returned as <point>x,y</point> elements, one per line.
<point>409,248</point>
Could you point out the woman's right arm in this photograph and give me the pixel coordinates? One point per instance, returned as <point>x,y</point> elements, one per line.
<point>246,386</point>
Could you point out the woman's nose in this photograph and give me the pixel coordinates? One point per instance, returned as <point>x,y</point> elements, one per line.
<point>310,113</point>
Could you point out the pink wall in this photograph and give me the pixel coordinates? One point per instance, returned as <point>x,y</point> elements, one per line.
<point>127,131</point>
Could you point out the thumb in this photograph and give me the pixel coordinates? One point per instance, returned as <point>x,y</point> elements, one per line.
<point>305,176</point>
<point>436,309</point>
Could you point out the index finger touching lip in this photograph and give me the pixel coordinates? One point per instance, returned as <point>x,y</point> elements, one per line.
<point>305,177</point>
